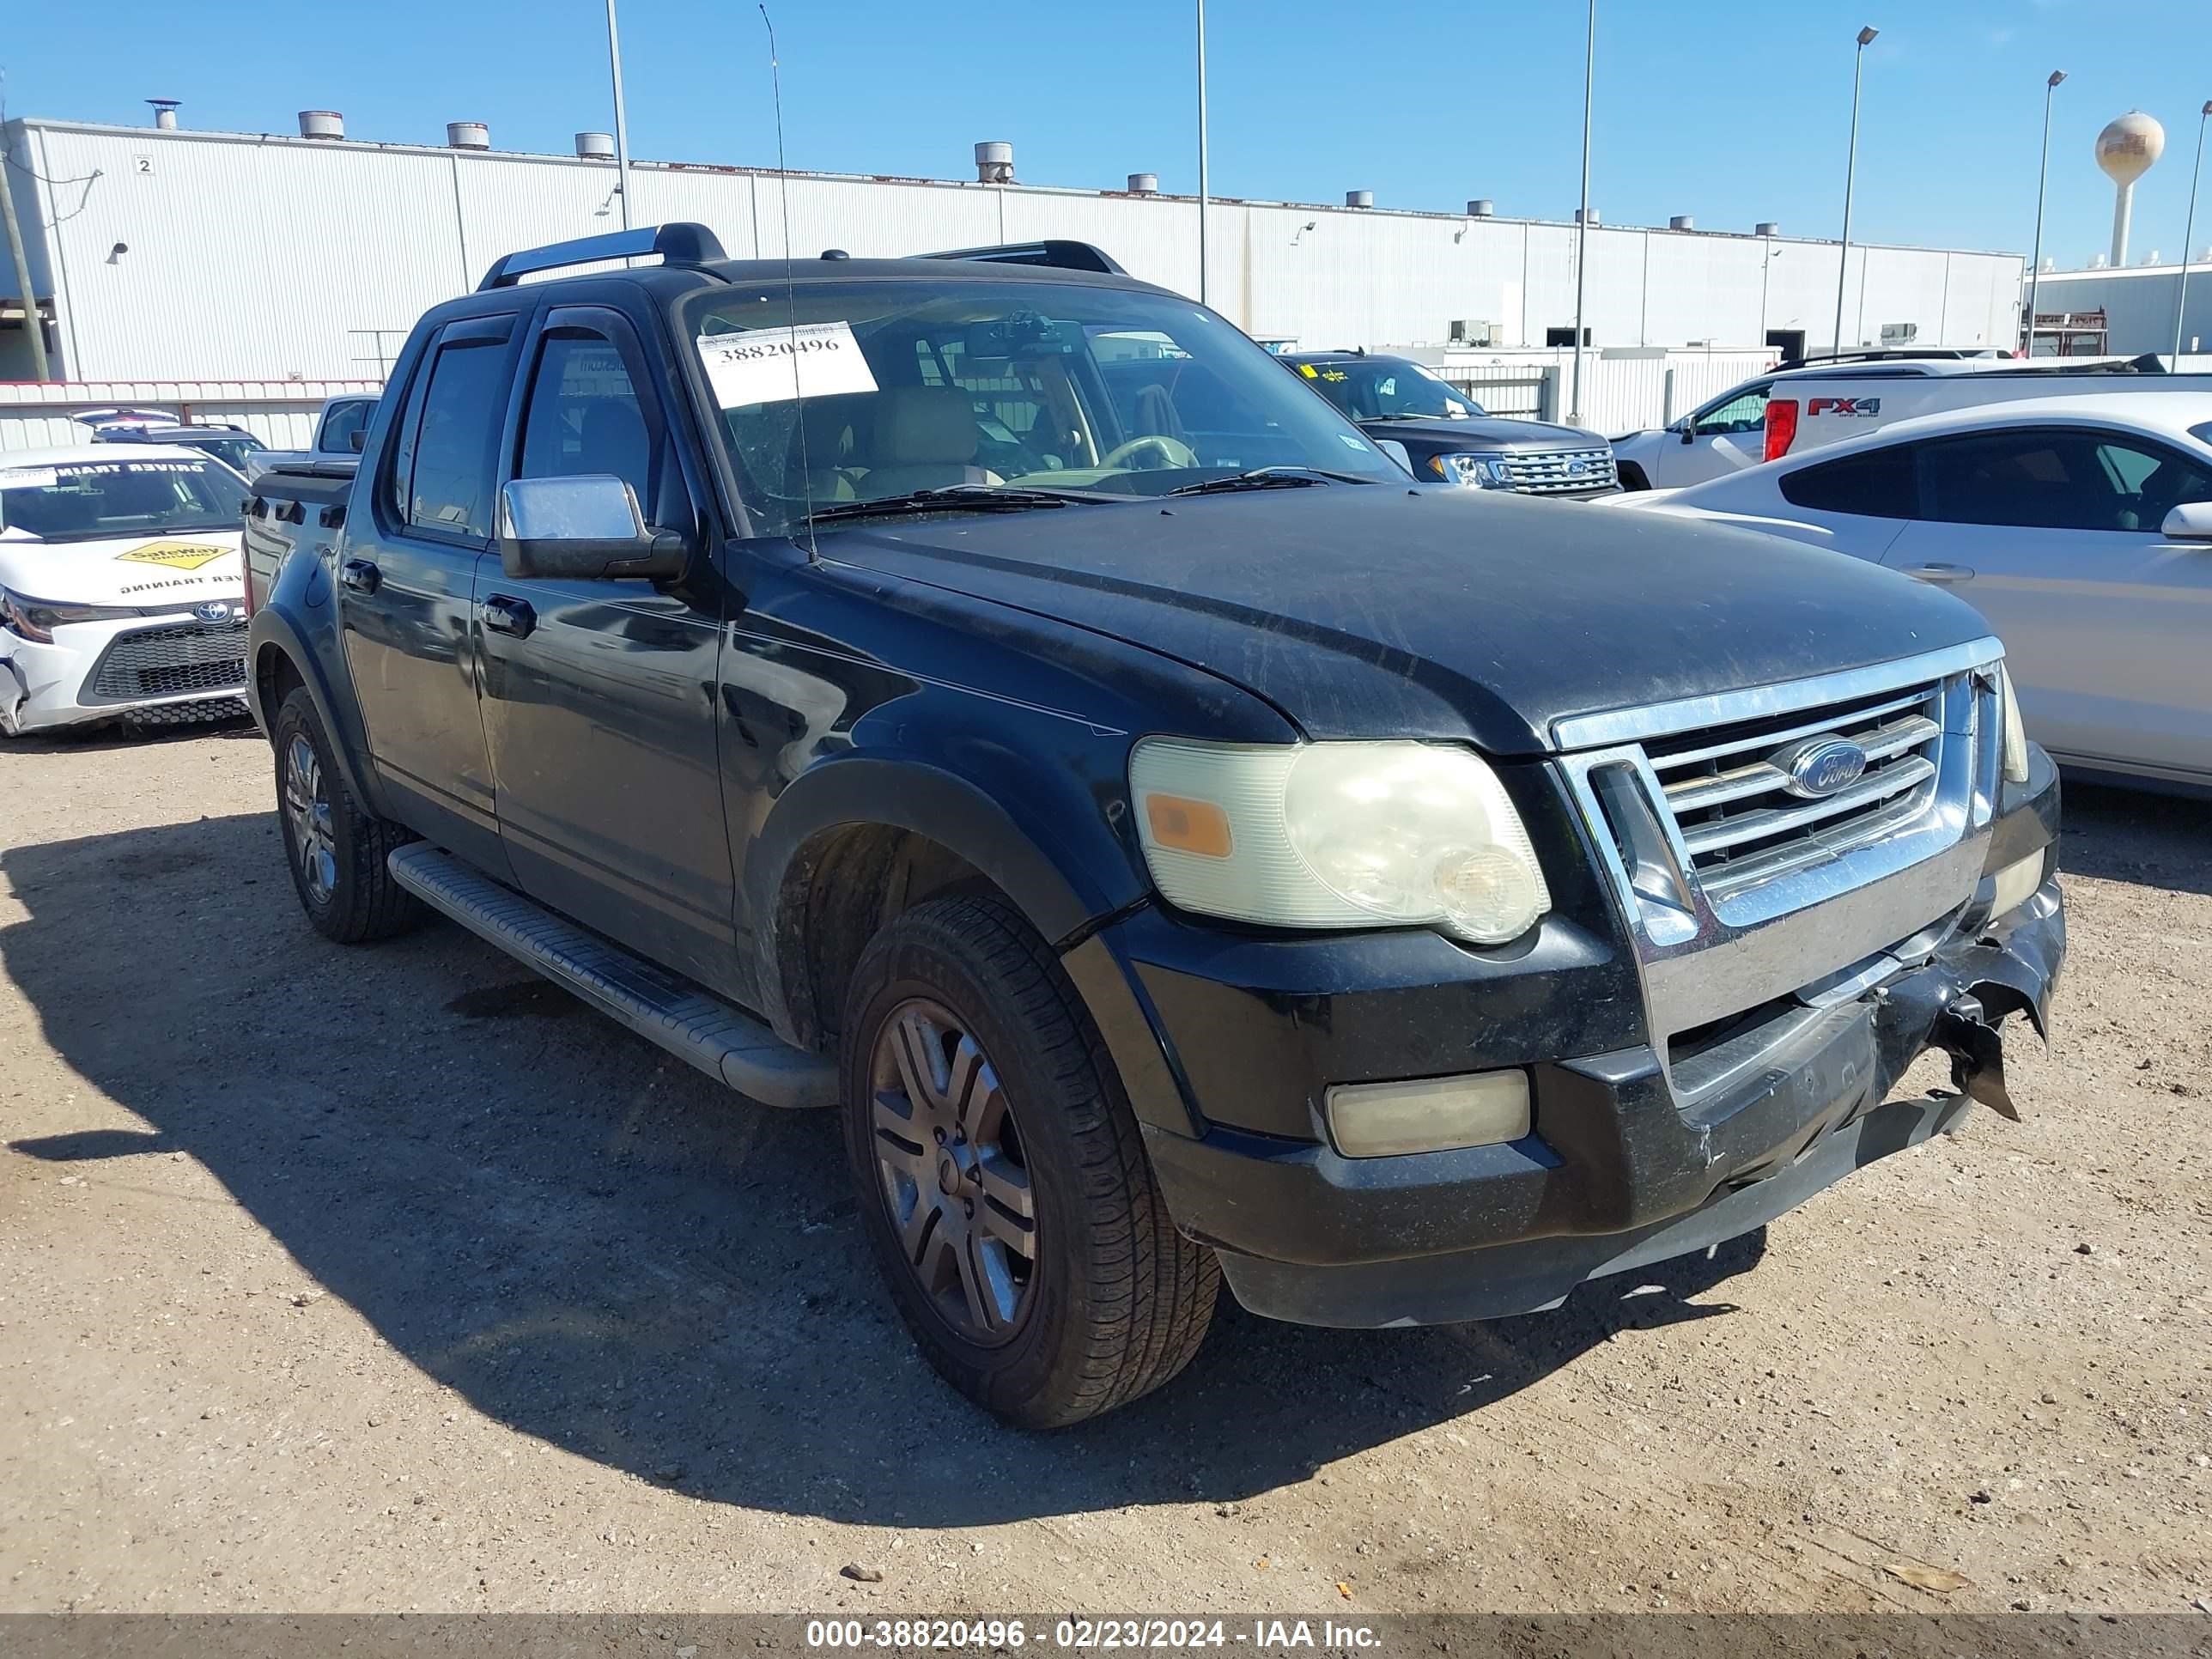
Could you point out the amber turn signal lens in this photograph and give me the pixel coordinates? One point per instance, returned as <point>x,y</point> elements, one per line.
<point>1188,825</point>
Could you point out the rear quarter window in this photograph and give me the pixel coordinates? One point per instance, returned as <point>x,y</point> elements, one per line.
<point>1875,484</point>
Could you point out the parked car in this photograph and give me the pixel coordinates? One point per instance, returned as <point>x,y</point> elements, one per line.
<point>119,586</point>
<point>1176,856</point>
<point>1447,435</point>
<point>235,446</point>
<point>1843,394</point>
<point>2078,525</point>
<point>336,441</point>
<point>1728,432</point>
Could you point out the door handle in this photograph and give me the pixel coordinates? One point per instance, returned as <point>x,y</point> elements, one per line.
<point>361,575</point>
<point>1941,574</point>
<point>505,615</point>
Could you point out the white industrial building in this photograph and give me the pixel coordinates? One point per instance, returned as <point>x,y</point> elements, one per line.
<point>166,253</point>
<point>2138,302</point>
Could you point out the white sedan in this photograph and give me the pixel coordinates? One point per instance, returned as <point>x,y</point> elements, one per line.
<point>120,586</point>
<point>2081,527</point>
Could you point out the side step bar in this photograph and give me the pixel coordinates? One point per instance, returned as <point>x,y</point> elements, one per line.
<point>729,1046</point>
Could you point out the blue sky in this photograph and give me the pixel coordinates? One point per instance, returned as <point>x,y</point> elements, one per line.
<point>1731,110</point>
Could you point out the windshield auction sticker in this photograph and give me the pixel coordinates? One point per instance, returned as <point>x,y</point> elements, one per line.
<point>776,365</point>
<point>29,478</point>
<point>178,556</point>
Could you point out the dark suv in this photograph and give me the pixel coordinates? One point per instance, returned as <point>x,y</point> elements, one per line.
<point>1449,438</point>
<point>983,694</point>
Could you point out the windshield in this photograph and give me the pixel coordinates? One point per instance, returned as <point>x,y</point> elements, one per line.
<point>235,451</point>
<point>86,501</point>
<point>983,387</point>
<point>1387,389</point>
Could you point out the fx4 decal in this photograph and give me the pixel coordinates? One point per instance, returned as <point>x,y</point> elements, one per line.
<point>1843,407</point>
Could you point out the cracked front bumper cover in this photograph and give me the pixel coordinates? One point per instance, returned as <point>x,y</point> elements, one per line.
<point>1631,1161</point>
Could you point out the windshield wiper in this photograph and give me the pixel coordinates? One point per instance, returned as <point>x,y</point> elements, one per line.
<point>1269,477</point>
<point>979,497</point>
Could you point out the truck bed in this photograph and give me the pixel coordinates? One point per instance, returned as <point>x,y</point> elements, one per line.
<point>287,501</point>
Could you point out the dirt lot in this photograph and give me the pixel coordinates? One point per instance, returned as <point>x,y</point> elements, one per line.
<point>390,1279</point>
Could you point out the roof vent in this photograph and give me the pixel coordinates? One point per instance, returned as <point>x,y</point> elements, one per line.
<point>595,146</point>
<point>995,164</point>
<point>1681,222</point>
<point>1359,198</point>
<point>1587,215</point>
<point>165,114</point>
<point>1481,207</point>
<point>1767,227</point>
<point>467,135</point>
<point>1144,183</point>
<point>321,124</point>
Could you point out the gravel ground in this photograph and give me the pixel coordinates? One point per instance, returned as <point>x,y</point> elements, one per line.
<point>390,1279</point>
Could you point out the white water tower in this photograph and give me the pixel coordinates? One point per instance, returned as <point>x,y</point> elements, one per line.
<point>2125,149</point>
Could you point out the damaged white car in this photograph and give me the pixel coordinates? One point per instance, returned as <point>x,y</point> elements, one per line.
<point>121,591</point>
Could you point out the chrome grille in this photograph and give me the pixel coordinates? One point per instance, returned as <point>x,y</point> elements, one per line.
<point>1740,821</point>
<point>176,659</point>
<point>1551,471</point>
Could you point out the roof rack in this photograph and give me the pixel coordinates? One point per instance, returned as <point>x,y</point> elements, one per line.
<point>679,244</point>
<point>1062,255</point>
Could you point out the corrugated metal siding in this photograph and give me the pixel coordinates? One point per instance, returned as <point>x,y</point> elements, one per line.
<point>274,256</point>
<point>281,413</point>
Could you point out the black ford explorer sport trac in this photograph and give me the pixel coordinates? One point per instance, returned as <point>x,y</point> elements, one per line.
<point>985,697</point>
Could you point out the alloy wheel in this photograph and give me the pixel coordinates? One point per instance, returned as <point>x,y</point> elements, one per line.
<point>949,1157</point>
<point>308,812</point>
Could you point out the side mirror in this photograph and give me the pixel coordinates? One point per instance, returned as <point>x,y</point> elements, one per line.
<point>1689,432</point>
<point>358,439</point>
<point>1395,451</point>
<point>581,527</point>
<point>2191,521</point>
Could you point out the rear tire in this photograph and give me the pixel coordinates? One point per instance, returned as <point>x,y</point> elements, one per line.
<point>1003,1182</point>
<point>337,851</point>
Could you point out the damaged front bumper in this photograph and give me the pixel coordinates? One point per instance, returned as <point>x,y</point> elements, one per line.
<point>1650,1151</point>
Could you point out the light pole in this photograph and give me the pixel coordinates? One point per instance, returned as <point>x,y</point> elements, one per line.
<point>1201,152</point>
<point>622,121</point>
<point>2181,300</point>
<point>1850,170</point>
<point>2042,178</point>
<point>1582,221</point>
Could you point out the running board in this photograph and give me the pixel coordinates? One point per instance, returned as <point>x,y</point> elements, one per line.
<point>731,1046</point>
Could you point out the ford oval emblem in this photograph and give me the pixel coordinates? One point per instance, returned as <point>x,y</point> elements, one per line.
<point>1817,767</point>
<point>213,612</point>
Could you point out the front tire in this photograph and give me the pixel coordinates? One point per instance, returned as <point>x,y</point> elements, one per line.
<point>1003,1183</point>
<point>337,851</point>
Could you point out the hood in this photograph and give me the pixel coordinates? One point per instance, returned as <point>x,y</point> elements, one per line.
<point>1485,432</point>
<point>1457,615</point>
<point>139,570</point>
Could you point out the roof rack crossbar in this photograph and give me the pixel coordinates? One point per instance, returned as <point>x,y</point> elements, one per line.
<point>1056,251</point>
<point>679,244</point>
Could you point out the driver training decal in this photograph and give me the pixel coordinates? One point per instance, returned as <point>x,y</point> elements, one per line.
<point>776,365</point>
<point>178,556</point>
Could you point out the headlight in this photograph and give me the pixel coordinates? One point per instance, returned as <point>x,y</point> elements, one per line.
<point>2015,733</point>
<point>1485,470</point>
<point>36,619</point>
<point>1336,834</point>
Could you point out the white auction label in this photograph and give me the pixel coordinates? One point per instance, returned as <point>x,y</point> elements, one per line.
<point>776,365</point>
<point>29,477</point>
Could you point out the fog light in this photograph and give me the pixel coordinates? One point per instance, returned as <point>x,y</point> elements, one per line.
<point>2016,883</point>
<point>1429,1114</point>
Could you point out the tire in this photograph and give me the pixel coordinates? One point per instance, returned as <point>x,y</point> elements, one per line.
<point>336,851</point>
<point>1108,1302</point>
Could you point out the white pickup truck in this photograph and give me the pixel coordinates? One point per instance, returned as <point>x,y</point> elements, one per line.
<point>338,430</point>
<point>1811,414</point>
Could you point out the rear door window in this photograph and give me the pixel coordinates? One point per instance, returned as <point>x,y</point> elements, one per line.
<point>451,448</point>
